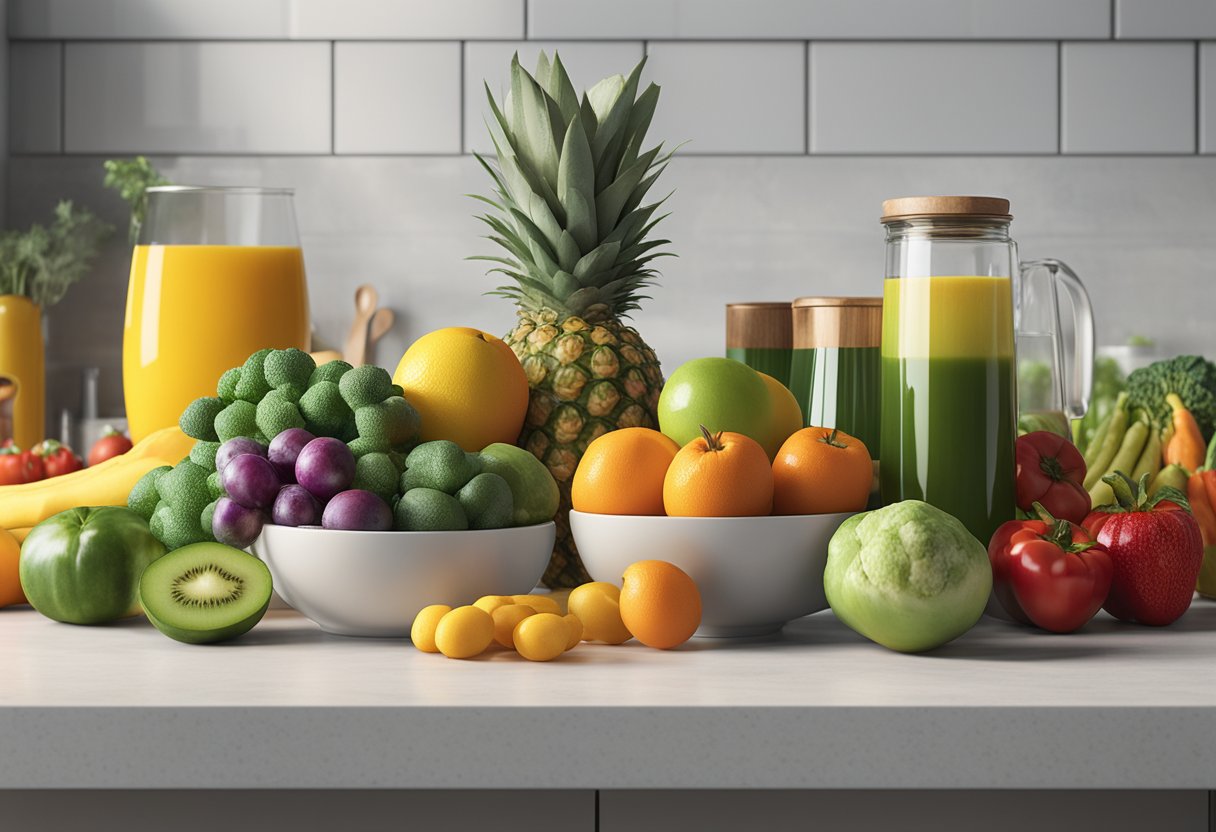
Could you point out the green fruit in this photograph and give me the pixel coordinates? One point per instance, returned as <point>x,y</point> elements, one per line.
<point>719,393</point>
<point>375,472</point>
<point>205,593</point>
<point>908,576</point>
<point>389,423</point>
<point>441,465</point>
<point>144,497</point>
<point>487,501</point>
<point>428,510</point>
<point>365,385</point>
<point>533,489</point>
<point>82,566</point>
<point>325,413</point>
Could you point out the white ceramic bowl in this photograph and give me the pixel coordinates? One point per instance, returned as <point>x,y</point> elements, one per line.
<point>755,574</point>
<point>374,583</point>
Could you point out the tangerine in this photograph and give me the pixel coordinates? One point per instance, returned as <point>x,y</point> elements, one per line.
<point>660,603</point>
<point>821,471</point>
<point>622,472</point>
<point>719,475</point>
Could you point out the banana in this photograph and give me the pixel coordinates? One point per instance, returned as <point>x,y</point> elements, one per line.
<point>106,484</point>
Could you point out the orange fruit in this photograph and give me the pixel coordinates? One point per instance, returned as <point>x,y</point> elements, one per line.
<point>467,385</point>
<point>597,607</point>
<point>622,473</point>
<point>787,414</point>
<point>10,580</point>
<point>821,471</point>
<point>660,603</point>
<point>719,475</point>
<point>505,621</point>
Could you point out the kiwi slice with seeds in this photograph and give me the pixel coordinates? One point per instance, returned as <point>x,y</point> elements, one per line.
<point>205,592</point>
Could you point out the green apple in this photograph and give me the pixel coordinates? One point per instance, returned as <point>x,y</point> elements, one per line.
<point>719,393</point>
<point>533,488</point>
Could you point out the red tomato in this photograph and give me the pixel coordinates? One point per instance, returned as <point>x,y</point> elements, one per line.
<point>111,444</point>
<point>1051,471</point>
<point>58,458</point>
<point>18,467</point>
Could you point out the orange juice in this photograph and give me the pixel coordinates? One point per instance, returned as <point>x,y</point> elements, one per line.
<point>194,311</point>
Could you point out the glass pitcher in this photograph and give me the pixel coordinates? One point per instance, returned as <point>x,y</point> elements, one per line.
<point>217,275</point>
<point>1055,373</point>
<point>949,387</point>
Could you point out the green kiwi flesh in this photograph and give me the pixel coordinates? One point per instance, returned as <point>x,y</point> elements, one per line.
<point>205,592</point>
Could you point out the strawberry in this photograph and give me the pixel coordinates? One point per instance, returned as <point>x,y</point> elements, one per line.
<point>1156,550</point>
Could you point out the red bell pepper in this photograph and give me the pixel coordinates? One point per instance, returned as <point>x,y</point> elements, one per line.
<point>1051,471</point>
<point>1050,573</point>
<point>18,467</point>
<point>57,458</point>
<point>1156,547</point>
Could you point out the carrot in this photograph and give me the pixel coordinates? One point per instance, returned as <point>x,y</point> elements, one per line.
<point>1201,494</point>
<point>1186,447</point>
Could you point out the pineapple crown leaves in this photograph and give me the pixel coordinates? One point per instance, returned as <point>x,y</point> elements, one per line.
<point>570,179</point>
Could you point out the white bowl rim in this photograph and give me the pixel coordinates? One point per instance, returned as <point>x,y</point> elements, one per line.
<point>736,518</point>
<point>410,534</point>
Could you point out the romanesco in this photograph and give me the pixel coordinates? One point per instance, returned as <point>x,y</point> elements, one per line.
<point>237,419</point>
<point>198,419</point>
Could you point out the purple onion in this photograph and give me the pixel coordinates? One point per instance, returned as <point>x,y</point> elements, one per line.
<point>251,481</point>
<point>235,525</point>
<point>295,506</point>
<point>325,466</point>
<point>234,448</point>
<point>284,449</point>
<point>357,510</point>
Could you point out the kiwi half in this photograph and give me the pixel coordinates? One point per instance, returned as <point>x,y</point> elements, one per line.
<point>205,592</point>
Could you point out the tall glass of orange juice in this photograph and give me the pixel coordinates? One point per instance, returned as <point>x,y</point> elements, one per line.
<point>217,274</point>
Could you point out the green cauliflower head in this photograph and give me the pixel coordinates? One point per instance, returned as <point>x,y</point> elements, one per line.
<point>291,366</point>
<point>908,576</point>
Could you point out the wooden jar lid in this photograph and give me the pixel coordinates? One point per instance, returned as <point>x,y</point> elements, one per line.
<point>837,322</point>
<point>914,207</point>
<point>765,325</point>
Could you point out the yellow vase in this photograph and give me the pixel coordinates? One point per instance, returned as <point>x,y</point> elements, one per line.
<point>22,372</point>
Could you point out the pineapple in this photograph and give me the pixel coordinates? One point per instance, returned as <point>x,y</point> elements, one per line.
<point>569,185</point>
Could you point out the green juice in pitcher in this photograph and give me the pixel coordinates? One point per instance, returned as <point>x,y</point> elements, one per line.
<point>949,406</point>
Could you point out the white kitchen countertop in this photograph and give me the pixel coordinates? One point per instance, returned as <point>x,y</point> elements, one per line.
<point>1118,706</point>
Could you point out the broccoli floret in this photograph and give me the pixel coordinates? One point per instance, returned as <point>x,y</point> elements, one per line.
<point>392,422</point>
<point>329,371</point>
<point>360,447</point>
<point>156,524</point>
<point>182,529</point>
<point>365,385</point>
<point>185,488</point>
<point>144,497</point>
<point>237,419</point>
<point>275,414</point>
<point>198,419</point>
<point>290,366</point>
<point>325,413</point>
<point>292,392</point>
<point>1192,377</point>
<point>376,473</point>
<point>203,454</point>
<point>226,389</point>
<point>213,485</point>
<point>252,384</point>
<point>205,520</point>
<point>398,459</point>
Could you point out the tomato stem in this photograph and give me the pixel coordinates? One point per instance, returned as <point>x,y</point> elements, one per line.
<point>713,441</point>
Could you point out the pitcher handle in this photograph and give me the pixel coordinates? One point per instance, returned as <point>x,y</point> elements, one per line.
<point>1079,373</point>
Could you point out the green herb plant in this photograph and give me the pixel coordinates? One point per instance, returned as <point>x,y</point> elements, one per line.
<point>44,261</point>
<point>132,178</point>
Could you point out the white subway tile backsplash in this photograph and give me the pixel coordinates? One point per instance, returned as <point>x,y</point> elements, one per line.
<point>820,19</point>
<point>34,103</point>
<point>490,63</point>
<point>729,97</point>
<point>397,98</point>
<point>197,98</point>
<point>1207,98</point>
<point>414,19</point>
<point>1183,19</point>
<point>166,19</point>
<point>1128,98</point>
<point>933,98</point>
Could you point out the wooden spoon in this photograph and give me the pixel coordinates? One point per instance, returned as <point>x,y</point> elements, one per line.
<point>366,300</point>
<point>382,322</point>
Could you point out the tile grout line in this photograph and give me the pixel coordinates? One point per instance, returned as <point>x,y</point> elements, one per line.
<point>333,98</point>
<point>463,103</point>
<point>806,97</point>
<point>1114,19</point>
<point>63,97</point>
<point>1198,99</point>
<point>1060,98</point>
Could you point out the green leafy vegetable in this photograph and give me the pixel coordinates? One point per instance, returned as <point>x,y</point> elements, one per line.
<point>132,178</point>
<point>44,261</point>
<point>1192,377</point>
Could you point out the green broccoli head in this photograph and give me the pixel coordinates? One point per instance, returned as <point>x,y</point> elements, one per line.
<point>184,494</point>
<point>276,413</point>
<point>365,385</point>
<point>1192,377</point>
<point>375,472</point>
<point>360,447</point>
<point>198,419</point>
<point>214,489</point>
<point>226,388</point>
<point>291,392</point>
<point>205,520</point>
<point>203,454</point>
<point>144,497</point>
<point>392,422</point>
<point>156,524</point>
<point>290,366</point>
<point>325,413</point>
<point>252,384</point>
<point>329,371</point>
<point>237,419</point>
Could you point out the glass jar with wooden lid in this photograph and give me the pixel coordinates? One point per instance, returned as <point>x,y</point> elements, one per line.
<point>760,335</point>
